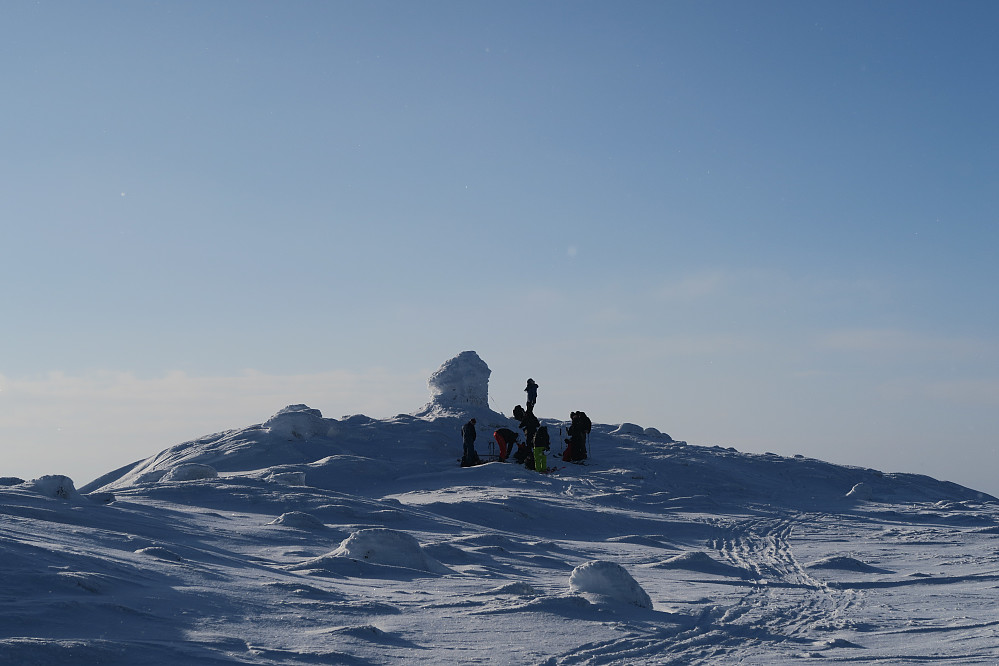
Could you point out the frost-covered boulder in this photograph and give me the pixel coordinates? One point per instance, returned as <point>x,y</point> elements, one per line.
<point>460,384</point>
<point>190,472</point>
<point>388,547</point>
<point>298,520</point>
<point>629,429</point>
<point>610,580</point>
<point>298,422</point>
<point>56,485</point>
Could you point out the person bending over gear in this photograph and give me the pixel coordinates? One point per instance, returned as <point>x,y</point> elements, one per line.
<point>506,438</point>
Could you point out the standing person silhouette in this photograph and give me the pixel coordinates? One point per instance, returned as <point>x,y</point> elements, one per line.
<point>532,393</point>
<point>469,457</point>
<point>529,424</point>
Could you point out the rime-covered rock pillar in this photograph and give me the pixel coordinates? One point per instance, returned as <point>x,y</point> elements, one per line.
<point>460,384</point>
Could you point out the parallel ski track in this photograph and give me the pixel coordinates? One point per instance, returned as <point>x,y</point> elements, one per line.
<point>781,605</point>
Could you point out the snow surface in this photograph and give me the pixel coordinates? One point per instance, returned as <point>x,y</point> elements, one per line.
<point>310,540</point>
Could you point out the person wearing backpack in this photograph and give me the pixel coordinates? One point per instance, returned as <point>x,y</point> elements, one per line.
<point>584,426</point>
<point>576,444</point>
<point>528,422</point>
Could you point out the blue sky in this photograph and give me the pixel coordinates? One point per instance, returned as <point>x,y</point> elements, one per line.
<point>766,225</point>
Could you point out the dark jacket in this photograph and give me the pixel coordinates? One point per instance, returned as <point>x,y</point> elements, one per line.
<point>541,439</point>
<point>529,423</point>
<point>509,436</point>
<point>468,433</point>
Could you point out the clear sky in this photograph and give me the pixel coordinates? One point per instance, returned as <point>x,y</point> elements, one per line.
<point>767,225</point>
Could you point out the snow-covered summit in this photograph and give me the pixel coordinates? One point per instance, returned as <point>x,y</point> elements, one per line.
<point>223,550</point>
<point>299,445</point>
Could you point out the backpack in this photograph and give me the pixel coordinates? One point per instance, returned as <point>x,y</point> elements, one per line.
<point>541,439</point>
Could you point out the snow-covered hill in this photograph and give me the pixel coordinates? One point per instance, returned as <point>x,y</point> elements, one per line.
<point>311,540</point>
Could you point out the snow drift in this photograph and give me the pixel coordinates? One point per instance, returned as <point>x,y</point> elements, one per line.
<point>609,580</point>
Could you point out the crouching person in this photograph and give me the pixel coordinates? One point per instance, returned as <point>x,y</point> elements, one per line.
<point>506,438</point>
<point>524,455</point>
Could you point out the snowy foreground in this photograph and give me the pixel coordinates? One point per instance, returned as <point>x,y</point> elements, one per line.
<point>307,540</point>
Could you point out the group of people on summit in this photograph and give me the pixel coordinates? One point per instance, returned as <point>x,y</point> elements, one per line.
<point>532,452</point>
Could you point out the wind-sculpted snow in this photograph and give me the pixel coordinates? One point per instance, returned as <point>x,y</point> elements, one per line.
<point>703,563</point>
<point>310,540</point>
<point>611,580</point>
<point>388,547</point>
<point>189,472</point>
<point>460,384</point>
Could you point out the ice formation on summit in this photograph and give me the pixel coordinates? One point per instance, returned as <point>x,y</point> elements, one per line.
<point>461,383</point>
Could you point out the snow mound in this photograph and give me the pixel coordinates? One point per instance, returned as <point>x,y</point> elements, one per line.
<point>388,547</point>
<point>298,519</point>
<point>298,422</point>
<point>56,485</point>
<point>10,481</point>
<point>365,631</point>
<point>287,478</point>
<point>608,579</point>
<point>836,643</point>
<point>460,384</point>
<point>519,589</point>
<point>843,563</point>
<point>160,553</point>
<point>190,472</point>
<point>703,563</point>
<point>628,429</point>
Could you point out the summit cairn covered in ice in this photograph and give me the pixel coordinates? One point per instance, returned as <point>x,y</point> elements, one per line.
<point>461,384</point>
